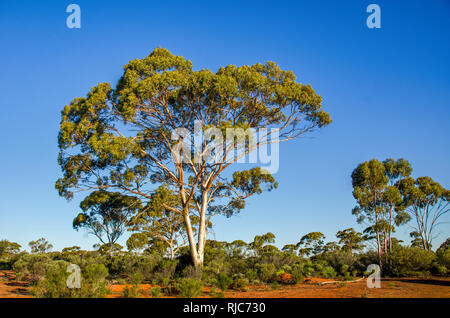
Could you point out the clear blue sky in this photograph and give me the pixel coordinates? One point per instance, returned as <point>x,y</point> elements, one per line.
<point>387,90</point>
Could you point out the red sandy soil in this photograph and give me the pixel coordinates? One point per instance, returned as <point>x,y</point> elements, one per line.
<point>430,287</point>
<point>11,288</point>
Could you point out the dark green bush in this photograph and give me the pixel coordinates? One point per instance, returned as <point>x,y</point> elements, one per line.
<point>189,287</point>
<point>252,275</point>
<point>33,266</point>
<point>266,272</point>
<point>132,291</point>
<point>165,271</point>
<point>54,284</point>
<point>297,273</point>
<point>155,292</point>
<point>240,283</point>
<point>223,281</point>
<point>410,261</point>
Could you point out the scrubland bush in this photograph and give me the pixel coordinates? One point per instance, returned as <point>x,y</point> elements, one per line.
<point>410,261</point>
<point>33,266</point>
<point>132,291</point>
<point>155,292</point>
<point>240,282</point>
<point>266,272</point>
<point>165,271</point>
<point>223,281</point>
<point>297,273</point>
<point>54,284</point>
<point>192,272</point>
<point>189,287</point>
<point>47,271</point>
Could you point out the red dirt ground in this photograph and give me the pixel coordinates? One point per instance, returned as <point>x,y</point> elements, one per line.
<point>430,287</point>
<point>11,288</point>
<point>433,287</point>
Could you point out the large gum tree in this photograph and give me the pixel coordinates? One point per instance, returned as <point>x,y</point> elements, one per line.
<point>122,138</point>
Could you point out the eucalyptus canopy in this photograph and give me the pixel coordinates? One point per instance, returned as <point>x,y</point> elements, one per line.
<point>427,202</point>
<point>127,138</point>
<point>106,215</point>
<point>380,204</point>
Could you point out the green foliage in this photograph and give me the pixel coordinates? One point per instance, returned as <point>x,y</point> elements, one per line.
<point>275,285</point>
<point>156,292</point>
<point>40,246</point>
<point>138,242</point>
<point>240,282</point>
<point>223,281</point>
<point>311,244</point>
<point>165,271</point>
<point>127,265</point>
<point>189,287</point>
<point>377,190</point>
<point>297,273</point>
<point>110,249</point>
<point>118,138</point>
<point>158,220</point>
<point>132,291</point>
<point>252,275</point>
<point>260,240</point>
<point>410,261</point>
<point>342,260</point>
<point>214,294</point>
<point>9,252</point>
<point>328,272</point>
<point>428,202</point>
<point>54,284</point>
<point>34,266</point>
<point>443,254</point>
<point>7,248</point>
<point>94,282</point>
<point>266,272</point>
<point>351,240</point>
<point>106,214</point>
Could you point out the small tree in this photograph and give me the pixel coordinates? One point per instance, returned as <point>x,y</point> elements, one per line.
<point>311,244</point>
<point>427,203</point>
<point>7,248</point>
<point>109,249</point>
<point>259,241</point>
<point>40,246</point>
<point>106,215</point>
<point>160,220</point>
<point>138,242</point>
<point>380,204</point>
<point>351,240</point>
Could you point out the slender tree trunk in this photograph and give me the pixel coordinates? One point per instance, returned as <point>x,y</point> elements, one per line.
<point>390,229</point>
<point>379,249</point>
<point>202,227</point>
<point>172,253</point>
<point>190,234</point>
<point>380,259</point>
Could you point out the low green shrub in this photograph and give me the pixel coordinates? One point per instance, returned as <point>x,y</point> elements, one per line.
<point>297,273</point>
<point>54,284</point>
<point>266,272</point>
<point>156,292</point>
<point>275,285</point>
<point>34,266</point>
<point>132,291</point>
<point>189,287</point>
<point>240,283</point>
<point>410,261</point>
<point>223,281</point>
